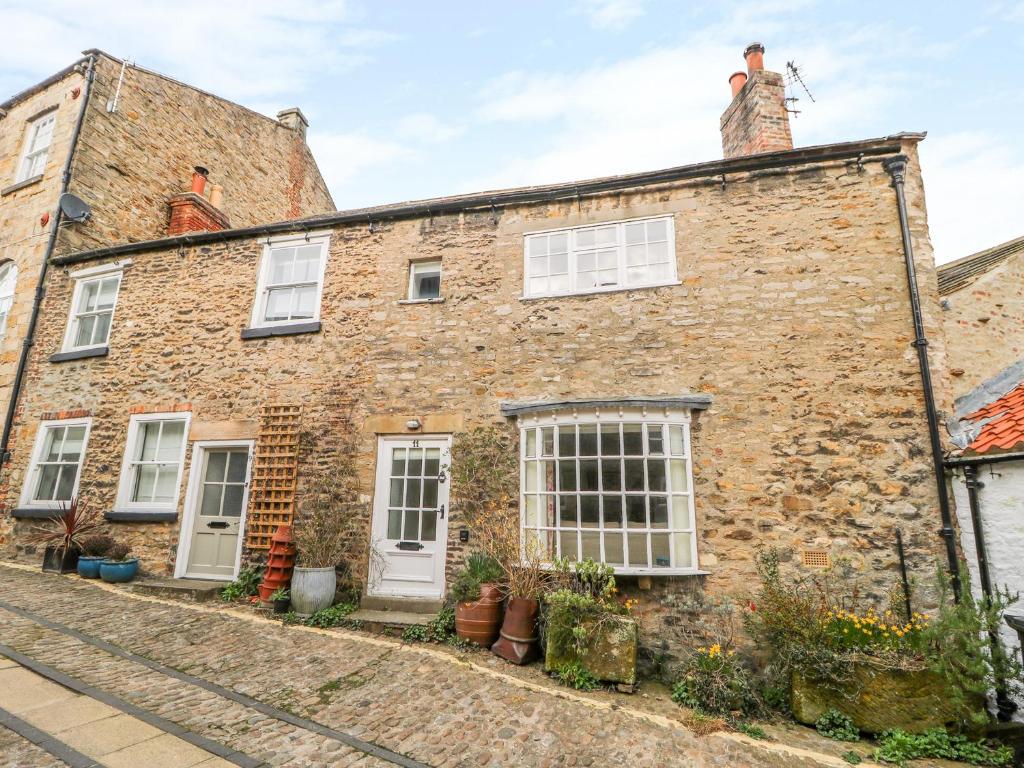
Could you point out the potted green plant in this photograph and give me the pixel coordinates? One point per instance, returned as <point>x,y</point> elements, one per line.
<point>884,667</point>
<point>281,599</point>
<point>586,626</point>
<point>119,566</point>
<point>319,535</point>
<point>94,549</point>
<point>63,534</point>
<point>477,595</point>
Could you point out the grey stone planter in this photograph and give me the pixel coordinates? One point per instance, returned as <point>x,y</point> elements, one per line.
<point>312,590</point>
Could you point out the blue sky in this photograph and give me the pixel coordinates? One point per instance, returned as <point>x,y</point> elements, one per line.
<point>409,99</point>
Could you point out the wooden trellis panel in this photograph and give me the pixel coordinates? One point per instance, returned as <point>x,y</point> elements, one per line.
<point>275,470</point>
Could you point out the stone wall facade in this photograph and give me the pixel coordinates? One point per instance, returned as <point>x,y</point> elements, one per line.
<point>130,161</point>
<point>983,322</point>
<point>791,312</point>
<point>23,233</point>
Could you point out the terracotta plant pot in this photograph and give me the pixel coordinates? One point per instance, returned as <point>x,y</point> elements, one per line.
<point>478,622</point>
<point>518,641</point>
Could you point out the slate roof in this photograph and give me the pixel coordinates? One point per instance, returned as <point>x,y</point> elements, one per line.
<point>962,272</point>
<point>1001,422</point>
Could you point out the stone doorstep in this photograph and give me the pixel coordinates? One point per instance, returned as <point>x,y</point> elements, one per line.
<point>196,590</point>
<point>401,604</point>
<point>390,622</point>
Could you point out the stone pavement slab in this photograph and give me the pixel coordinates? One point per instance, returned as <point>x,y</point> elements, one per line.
<point>69,713</point>
<point>105,736</point>
<point>21,690</point>
<point>164,751</point>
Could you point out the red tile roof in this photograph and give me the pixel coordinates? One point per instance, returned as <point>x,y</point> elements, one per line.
<point>1003,427</point>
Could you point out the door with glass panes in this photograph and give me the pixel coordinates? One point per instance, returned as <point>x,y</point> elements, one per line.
<point>410,517</point>
<point>218,510</point>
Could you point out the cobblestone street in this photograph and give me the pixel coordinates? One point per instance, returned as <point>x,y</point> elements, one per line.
<point>256,692</point>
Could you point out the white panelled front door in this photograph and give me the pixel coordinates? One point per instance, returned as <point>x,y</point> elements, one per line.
<point>215,516</point>
<point>410,517</point>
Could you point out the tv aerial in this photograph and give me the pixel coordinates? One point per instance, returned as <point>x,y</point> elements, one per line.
<point>793,76</point>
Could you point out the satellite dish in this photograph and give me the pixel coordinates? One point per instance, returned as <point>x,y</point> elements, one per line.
<point>74,208</point>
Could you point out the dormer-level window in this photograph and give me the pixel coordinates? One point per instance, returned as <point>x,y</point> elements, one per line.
<point>424,280</point>
<point>38,137</point>
<point>605,257</point>
<point>92,310</point>
<point>290,282</point>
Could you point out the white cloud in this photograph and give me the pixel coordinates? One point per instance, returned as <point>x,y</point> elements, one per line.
<point>241,49</point>
<point>662,108</point>
<point>972,188</point>
<point>343,156</point>
<point>425,128</point>
<point>610,14</point>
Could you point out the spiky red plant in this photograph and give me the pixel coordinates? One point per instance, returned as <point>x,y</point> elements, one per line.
<point>70,524</point>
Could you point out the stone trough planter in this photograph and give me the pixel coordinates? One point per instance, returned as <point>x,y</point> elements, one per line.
<point>879,699</point>
<point>609,656</point>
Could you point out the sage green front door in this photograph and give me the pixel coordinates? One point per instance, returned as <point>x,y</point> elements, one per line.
<point>218,512</point>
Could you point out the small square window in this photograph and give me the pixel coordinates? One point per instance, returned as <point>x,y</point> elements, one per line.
<point>425,280</point>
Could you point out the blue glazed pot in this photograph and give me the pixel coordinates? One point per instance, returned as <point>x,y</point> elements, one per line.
<point>89,567</point>
<point>117,572</point>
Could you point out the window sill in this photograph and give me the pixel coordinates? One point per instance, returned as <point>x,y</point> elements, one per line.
<point>292,329</point>
<point>141,516</point>
<point>79,354</point>
<point>438,300</point>
<point>34,513</point>
<point>598,291</point>
<point>21,185</point>
<point>623,571</point>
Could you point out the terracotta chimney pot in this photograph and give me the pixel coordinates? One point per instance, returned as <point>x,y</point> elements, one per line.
<point>737,80</point>
<point>754,54</point>
<point>199,175</point>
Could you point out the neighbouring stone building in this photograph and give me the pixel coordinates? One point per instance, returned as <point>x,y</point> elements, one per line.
<point>140,136</point>
<point>982,299</point>
<point>699,360</point>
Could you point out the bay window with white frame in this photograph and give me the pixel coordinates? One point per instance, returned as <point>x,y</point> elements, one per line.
<point>92,309</point>
<point>290,282</point>
<point>611,484</point>
<point>56,466</point>
<point>38,137</point>
<point>153,459</point>
<point>606,257</point>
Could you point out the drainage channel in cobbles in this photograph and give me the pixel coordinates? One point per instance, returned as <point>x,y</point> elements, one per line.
<point>97,655</point>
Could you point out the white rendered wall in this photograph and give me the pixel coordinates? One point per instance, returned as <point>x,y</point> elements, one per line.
<point>1002,518</point>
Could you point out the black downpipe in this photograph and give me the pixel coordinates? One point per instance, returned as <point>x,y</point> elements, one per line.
<point>903,574</point>
<point>26,346</point>
<point>1004,704</point>
<point>897,167</point>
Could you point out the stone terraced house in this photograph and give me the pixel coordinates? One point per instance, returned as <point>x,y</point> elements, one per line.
<point>698,360</point>
<point>125,140</point>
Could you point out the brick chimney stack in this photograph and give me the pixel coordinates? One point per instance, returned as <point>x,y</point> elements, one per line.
<point>756,120</point>
<point>191,212</point>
